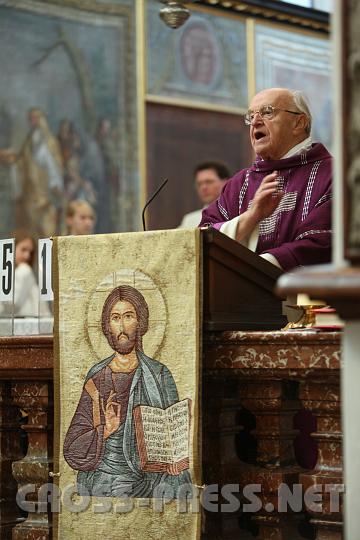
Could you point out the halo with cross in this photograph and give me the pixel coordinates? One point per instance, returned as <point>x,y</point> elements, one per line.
<point>153,338</point>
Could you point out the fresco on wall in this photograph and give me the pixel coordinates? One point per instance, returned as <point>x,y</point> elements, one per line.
<point>67,130</point>
<point>203,61</point>
<point>299,61</point>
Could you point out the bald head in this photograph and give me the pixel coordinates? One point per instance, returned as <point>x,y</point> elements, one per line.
<point>284,94</point>
<point>272,136</point>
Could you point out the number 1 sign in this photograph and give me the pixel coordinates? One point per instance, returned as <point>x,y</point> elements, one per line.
<point>7,268</point>
<point>45,281</point>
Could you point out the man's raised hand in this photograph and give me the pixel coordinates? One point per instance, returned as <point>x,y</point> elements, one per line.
<point>267,197</point>
<point>265,202</point>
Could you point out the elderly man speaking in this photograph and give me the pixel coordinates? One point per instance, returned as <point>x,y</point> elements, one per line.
<point>280,206</point>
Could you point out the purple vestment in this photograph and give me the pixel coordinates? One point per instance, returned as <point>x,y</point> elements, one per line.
<point>299,231</point>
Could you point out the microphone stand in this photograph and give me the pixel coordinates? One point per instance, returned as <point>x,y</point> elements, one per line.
<point>150,200</point>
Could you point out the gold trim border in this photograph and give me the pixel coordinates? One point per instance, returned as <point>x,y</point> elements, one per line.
<point>140,48</point>
<point>57,405</point>
<point>293,29</point>
<point>268,13</point>
<point>198,435</point>
<point>105,8</point>
<point>250,57</point>
<point>194,104</point>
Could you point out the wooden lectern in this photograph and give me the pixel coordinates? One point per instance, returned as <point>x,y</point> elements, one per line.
<point>249,379</point>
<point>238,287</point>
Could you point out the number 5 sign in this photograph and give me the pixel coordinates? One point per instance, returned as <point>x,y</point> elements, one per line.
<point>7,269</point>
<point>45,281</point>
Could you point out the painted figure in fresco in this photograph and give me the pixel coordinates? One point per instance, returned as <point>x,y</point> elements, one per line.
<point>7,171</point>
<point>199,52</point>
<point>41,182</point>
<point>93,169</point>
<point>76,187</point>
<point>101,441</point>
<point>7,154</point>
<point>108,140</point>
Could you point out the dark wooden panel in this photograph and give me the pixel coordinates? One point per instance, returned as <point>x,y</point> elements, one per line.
<point>32,356</point>
<point>350,134</point>
<point>238,287</point>
<point>177,140</point>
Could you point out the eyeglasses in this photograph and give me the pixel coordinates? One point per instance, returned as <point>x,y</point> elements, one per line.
<point>267,112</point>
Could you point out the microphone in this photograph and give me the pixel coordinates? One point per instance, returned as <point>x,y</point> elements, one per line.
<point>150,200</point>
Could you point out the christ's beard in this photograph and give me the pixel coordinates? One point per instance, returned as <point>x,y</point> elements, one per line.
<point>121,345</point>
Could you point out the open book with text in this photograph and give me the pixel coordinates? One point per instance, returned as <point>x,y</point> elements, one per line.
<point>163,436</point>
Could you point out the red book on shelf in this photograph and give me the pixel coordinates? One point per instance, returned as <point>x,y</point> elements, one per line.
<point>327,318</point>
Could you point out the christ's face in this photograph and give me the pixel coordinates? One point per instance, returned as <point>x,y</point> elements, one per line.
<point>123,326</point>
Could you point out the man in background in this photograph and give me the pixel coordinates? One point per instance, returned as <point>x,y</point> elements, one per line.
<point>210,178</point>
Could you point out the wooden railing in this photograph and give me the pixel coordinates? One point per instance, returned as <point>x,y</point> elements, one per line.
<point>257,389</point>
<point>26,389</point>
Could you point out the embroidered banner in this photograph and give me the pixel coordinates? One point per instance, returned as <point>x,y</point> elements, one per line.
<point>127,445</point>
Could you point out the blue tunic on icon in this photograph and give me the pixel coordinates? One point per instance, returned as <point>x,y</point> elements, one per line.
<point>111,467</point>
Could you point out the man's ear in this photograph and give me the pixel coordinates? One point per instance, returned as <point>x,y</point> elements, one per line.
<point>301,123</point>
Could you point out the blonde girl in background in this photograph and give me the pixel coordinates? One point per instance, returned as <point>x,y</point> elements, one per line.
<point>80,218</point>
